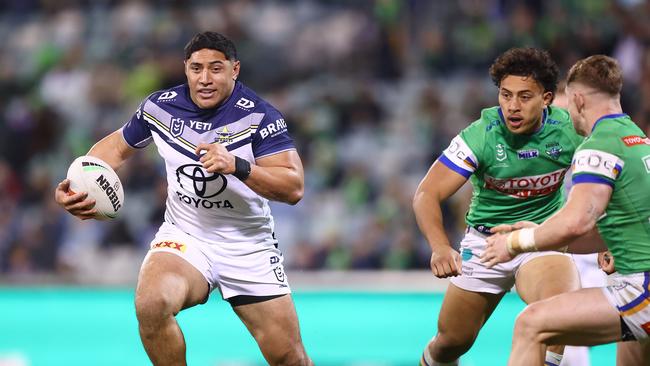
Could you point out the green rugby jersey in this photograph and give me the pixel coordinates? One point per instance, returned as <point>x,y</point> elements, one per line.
<point>617,153</point>
<point>515,177</point>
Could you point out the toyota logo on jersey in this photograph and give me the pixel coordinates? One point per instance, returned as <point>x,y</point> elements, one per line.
<point>193,178</point>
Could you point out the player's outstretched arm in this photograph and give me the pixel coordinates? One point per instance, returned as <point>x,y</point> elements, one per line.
<point>573,224</point>
<point>439,183</point>
<point>113,150</point>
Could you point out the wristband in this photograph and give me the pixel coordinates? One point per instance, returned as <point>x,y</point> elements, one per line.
<point>520,241</point>
<point>242,168</point>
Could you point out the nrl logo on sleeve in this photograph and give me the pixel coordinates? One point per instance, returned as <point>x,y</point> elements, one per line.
<point>554,150</point>
<point>244,103</point>
<point>168,95</point>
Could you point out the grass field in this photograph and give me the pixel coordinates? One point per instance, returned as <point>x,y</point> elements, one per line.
<point>69,326</point>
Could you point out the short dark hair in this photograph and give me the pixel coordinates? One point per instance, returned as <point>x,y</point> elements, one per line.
<point>213,41</point>
<point>599,72</point>
<point>527,61</point>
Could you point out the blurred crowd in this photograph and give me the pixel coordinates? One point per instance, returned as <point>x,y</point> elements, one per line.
<point>372,91</point>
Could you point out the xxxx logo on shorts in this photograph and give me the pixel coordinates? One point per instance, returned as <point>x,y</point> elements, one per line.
<point>171,245</point>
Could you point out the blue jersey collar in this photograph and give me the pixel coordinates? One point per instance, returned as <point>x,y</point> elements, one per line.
<point>608,116</point>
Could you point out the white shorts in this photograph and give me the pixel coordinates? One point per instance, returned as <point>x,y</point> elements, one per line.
<point>630,295</point>
<point>498,279</point>
<point>253,269</point>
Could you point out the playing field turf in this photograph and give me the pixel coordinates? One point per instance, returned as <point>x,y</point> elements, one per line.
<point>92,327</point>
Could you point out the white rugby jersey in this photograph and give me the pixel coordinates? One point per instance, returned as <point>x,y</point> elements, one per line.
<point>216,208</point>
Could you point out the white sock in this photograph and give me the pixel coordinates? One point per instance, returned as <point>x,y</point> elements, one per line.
<point>427,360</point>
<point>552,359</point>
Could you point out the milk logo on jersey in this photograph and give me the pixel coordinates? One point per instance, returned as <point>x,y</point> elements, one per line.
<point>501,152</point>
<point>554,150</point>
<point>527,154</point>
<point>202,185</point>
<point>177,126</point>
<point>274,129</point>
<point>597,162</point>
<point>530,186</point>
<point>244,103</point>
<point>224,136</point>
<point>167,96</point>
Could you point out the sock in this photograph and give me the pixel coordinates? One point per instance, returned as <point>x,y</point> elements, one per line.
<point>552,359</point>
<point>427,360</point>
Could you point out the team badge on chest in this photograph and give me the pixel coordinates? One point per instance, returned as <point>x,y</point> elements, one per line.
<point>554,150</point>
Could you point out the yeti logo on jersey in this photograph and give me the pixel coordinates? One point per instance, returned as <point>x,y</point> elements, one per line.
<point>274,129</point>
<point>169,95</point>
<point>224,136</point>
<point>501,152</point>
<point>523,187</point>
<point>527,154</point>
<point>554,150</point>
<point>244,103</point>
<point>195,179</point>
<point>177,127</point>
<point>199,126</point>
<point>597,162</point>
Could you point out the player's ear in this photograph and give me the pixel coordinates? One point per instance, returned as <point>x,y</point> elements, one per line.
<point>548,97</point>
<point>235,69</point>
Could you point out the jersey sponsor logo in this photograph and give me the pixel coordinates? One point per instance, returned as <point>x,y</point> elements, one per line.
<point>168,95</point>
<point>224,136</point>
<point>554,150</point>
<point>170,244</point>
<point>244,103</point>
<point>597,162</point>
<point>523,187</point>
<point>274,129</point>
<point>193,178</point>
<point>200,126</point>
<point>527,154</point>
<point>460,154</point>
<point>199,202</point>
<point>177,127</point>
<point>274,259</point>
<point>646,162</point>
<point>501,152</point>
<point>635,140</point>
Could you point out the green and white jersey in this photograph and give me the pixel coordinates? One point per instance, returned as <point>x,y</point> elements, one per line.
<point>515,177</point>
<point>617,153</point>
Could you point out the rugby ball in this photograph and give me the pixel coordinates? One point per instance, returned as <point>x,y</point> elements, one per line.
<point>95,176</point>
